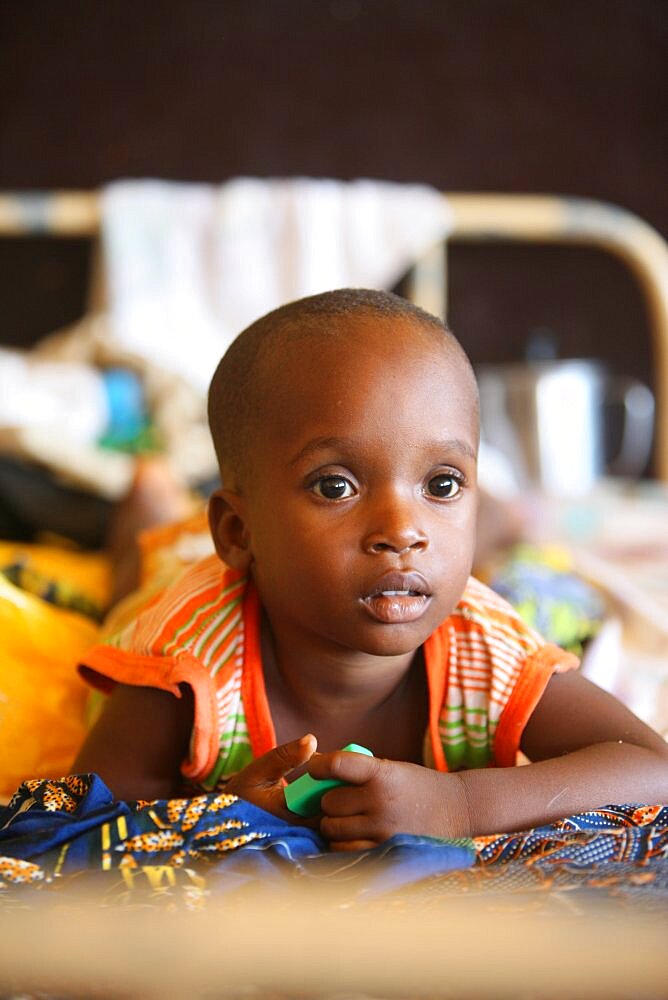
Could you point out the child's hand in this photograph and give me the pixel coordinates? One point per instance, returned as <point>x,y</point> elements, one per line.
<point>261,782</point>
<point>384,797</point>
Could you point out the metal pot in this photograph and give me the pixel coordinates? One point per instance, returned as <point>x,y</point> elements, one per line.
<point>549,419</point>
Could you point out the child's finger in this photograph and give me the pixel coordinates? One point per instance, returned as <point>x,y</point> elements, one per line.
<point>275,764</point>
<point>352,845</point>
<point>345,765</point>
<point>340,829</point>
<point>347,800</point>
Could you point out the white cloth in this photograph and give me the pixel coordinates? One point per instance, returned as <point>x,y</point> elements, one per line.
<point>188,266</point>
<point>62,396</point>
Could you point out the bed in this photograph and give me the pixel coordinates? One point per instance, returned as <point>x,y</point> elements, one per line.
<point>565,890</point>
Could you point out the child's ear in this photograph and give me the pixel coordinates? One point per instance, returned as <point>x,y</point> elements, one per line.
<point>228,529</point>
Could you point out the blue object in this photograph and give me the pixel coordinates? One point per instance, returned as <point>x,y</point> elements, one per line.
<point>303,795</point>
<point>125,400</point>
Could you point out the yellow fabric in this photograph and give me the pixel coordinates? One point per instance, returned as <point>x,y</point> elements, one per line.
<point>87,572</point>
<point>45,708</point>
<point>42,699</point>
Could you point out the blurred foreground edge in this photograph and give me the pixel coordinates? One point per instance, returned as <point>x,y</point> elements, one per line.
<point>309,943</point>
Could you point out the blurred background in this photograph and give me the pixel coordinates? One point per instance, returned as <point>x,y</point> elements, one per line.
<point>465,95</point>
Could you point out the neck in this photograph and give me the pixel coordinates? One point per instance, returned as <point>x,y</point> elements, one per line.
<point>326,679</point>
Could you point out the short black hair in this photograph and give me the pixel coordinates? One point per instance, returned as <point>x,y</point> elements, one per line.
<point>235,398</point>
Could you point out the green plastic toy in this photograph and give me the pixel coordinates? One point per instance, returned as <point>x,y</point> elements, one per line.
<point>302,796</point>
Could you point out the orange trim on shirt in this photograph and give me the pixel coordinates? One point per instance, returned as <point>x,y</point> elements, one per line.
<point>436,649</point>
<point>529,688</point>
<point>261,730</point>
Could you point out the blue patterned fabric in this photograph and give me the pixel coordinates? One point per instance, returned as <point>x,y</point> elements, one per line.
<point>57,828</point>
<point>56,831</point>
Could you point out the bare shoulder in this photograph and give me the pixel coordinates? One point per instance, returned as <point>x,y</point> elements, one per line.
<point>574,713</point>
<point>139,741</point>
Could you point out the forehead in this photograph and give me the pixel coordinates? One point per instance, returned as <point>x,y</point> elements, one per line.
<point>348,344</point>
<point>368,368</point>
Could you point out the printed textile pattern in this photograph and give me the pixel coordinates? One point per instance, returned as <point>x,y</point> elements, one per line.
<point>57,834</point>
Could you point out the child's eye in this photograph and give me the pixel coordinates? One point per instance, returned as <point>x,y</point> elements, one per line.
<point>333,487</point>
<point>445,486</point>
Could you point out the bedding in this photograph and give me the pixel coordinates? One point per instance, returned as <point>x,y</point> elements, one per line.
<point>69,832</point>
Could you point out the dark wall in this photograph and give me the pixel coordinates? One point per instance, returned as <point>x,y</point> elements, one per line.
<point>486,95</point>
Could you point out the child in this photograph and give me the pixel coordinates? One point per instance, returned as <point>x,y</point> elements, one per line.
<point>346,428</point>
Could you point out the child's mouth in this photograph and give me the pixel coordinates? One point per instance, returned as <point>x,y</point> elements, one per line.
<point>398,598</point>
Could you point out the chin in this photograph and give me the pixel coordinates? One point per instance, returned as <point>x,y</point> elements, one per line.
<point>393,640</point>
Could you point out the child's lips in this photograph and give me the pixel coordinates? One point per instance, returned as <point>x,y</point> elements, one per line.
<point>397,598</point>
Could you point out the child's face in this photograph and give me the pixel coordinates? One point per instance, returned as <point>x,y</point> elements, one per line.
<point>360,502</point>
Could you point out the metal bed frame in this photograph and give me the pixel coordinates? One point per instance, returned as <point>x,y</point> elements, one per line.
<point>513,218</point>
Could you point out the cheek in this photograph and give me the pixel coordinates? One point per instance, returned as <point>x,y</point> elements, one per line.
<point>290,548</point>
<point>463,547</point>
<point>455,559</point>
<point>456,534</point>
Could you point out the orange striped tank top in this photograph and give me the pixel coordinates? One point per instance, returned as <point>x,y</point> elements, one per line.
<point>486,671</point>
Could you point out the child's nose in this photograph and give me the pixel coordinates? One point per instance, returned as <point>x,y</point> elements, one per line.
<point>395,528</point>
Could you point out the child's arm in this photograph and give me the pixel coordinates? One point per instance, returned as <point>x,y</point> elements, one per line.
<point>589,751</point>
<point>142,736</point>
<point>139,741</point>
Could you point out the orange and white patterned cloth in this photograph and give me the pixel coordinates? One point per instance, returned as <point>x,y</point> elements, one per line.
<point>486,671</point>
